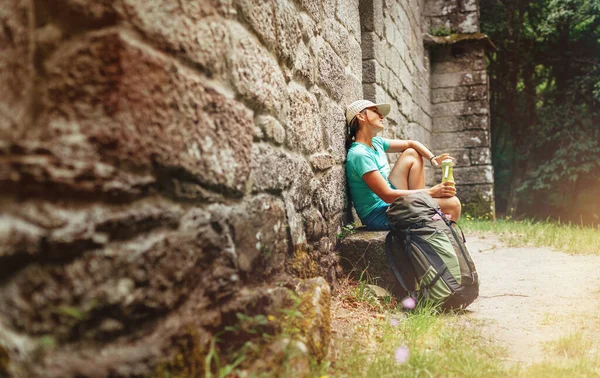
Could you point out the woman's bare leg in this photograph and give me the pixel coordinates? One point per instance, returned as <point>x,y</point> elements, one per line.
<point>409,173</point>
<point>450,206</point>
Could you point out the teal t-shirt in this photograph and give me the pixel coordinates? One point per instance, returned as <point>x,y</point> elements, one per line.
<point>360,160</point>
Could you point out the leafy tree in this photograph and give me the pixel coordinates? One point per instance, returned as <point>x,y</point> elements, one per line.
<point>545,92</point>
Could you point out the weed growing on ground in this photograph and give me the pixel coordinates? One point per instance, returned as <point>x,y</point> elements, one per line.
<point>568,238</point>
<point>572,345</point>
<point>385,341</point>
<point>347,230</point>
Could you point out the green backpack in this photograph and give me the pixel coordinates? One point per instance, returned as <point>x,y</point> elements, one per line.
<point>427,255</point>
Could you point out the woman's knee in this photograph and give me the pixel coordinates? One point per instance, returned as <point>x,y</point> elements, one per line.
<point>412,155</point>
<point>411,152</point>
<point>456,203</point>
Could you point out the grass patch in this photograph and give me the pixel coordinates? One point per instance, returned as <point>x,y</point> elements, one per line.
<point>369,338</point>
<point>573,345</point>
<point>568,238</point>
<point>579,367</point>
<point>395,343</point>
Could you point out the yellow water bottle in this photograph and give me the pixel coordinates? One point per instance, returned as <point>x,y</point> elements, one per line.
<point>447,175</point>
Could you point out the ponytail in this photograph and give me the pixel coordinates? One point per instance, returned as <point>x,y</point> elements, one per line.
<point>351,129</point>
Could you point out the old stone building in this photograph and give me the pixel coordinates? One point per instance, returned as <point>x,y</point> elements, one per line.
<point>166,165</point>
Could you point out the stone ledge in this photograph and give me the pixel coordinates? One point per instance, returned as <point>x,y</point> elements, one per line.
<point>453,39</point>
<point>364,251</point>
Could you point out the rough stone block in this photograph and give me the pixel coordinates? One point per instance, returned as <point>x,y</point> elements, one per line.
<point>373,72</point>
<point>314,224</point>
<point>260,229</point>
<point>406,78</point>
<point>355,58</point>
<point>111,103</point>
<point>338,38</point>
<point>406,105</point>
<point>331,71</point>
<point>312,7</point>
<point>460,108</point>
<point>304,132</point>
<point>273,169</point>
<point>33,231</point>
<point>463,139</point>
<point>347,12</point>
<point>332,192</point>
<point>393,60</point>
<point>295,223</point>
<point>395,86</point>
<point>374,92</point>
<point>260,15</point>
<point>389,28</point>
<point>315,324</point>
<point>468,22</point>
<point>468,122</point>
<point>329,7</point>
<point>483,174</point>
<point>183,30</point>
<point>322,161</point>
<point>373,47</point>
<point>256,75</point>
<point>271,129</point>
<point>457,79</point>
<point>416,132</point>
<point>16,67</point>
<point>462,156</point>
<point>129,282</point>
<point>289,33</point>
<point>480,156</point>
<point>364,251</point>
<point>465,93</point>
<point>309,27</point>
<point>440,7</point>
<point>469,193</point>
<point>468,6</point>
<point>305,63</point>
<point>402,49</point>
<point>334,124</point>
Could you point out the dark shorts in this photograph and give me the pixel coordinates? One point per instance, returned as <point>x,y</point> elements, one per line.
<point>377,220</point>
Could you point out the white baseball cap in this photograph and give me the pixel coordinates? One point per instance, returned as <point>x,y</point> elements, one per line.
<point>358,106</point>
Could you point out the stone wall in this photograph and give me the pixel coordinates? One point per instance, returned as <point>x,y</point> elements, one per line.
<point>167,165</point>
<point>396,68</point>
<point>459,97</point>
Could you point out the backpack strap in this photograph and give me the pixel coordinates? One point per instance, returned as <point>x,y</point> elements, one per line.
<point>388,253</point>
<point>461,231</point>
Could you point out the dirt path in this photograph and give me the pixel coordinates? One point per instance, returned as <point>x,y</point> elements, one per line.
<point>532,295</point>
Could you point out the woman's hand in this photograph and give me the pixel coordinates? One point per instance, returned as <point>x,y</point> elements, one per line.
<point>444,190</point>
<point>436,161</point>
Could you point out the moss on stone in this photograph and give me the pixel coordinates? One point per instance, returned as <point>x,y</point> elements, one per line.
<point>315,323</point>
<point>187,362</point>
<point>303,265</point>
<point>4,362</point>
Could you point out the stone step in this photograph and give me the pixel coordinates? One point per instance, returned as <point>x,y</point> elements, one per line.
<point>362,256</point>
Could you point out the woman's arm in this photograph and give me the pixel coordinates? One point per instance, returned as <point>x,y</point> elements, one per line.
<point>379,186</point>
<point>397,145</point>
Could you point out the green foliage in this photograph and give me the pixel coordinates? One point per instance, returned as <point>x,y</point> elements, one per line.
<point>347,230</point>
<point>570,238</point>
<point>440,32</point>
<point>545,93</point>
<point>445,345</point>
